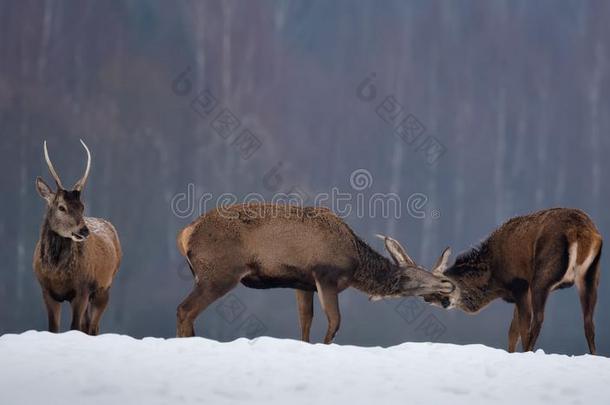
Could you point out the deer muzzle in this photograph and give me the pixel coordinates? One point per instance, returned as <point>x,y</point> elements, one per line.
<point>81,235</point>
<point>421,282</point>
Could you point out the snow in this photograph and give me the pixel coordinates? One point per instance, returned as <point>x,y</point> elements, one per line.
<point>40,367</point>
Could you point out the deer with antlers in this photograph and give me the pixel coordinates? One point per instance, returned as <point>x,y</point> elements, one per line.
<point>522,262</point>
<point>308,249</point>
<point>76,257</point>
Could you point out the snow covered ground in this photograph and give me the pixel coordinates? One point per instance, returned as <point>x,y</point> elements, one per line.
<point>72,368</point>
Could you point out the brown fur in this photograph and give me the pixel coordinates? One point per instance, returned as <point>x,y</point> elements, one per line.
<point>522,262</point>
<point>76,258</point>
<point>307,249</point>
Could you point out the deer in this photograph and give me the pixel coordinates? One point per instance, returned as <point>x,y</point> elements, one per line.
<point>308,249</point>
<point>76,257</point>
<point>522,262</point>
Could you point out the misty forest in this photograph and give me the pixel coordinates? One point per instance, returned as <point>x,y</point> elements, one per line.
<point>505,107</point>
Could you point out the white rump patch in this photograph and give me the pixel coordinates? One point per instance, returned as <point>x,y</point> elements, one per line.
<point>576,272</point>
<point>581,270</point>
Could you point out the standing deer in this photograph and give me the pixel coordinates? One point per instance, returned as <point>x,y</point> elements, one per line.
<point>76,257</point>
<point>522,262</point>
<point>307,249</point>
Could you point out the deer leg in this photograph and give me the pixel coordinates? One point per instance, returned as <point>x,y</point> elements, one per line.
<point>97,307</point>
<point>513,332</point>
<point>204,293</point>
<point>524,311</point>
<point>87,317</point>
<point>549,268</point>
<point>539,297</point>
<point>587,292</point>
<point>305,304</point>
<point>329,299</point>
<point>188,310</point>
<point>79,306</point>
<point>53,311</point>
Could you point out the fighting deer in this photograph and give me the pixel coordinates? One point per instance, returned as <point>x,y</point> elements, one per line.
<point>523,261</point>
<point>76,257</point>
<point>304,248</point>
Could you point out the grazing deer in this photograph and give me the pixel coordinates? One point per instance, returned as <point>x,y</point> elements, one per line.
<point>522,262</point>
<point>76,257</point>
<point>307,249</point>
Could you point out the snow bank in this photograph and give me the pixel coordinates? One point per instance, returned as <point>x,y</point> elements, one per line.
<point>72,368</point>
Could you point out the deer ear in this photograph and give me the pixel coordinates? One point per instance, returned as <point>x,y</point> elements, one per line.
<point>441,264</point>
<point>44,190</point>
<point>397,252</point>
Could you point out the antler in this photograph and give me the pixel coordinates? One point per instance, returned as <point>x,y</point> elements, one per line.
<point>81,183</point>
<point>398,253</point>
<point>441,264</point>
<point>51,168</point>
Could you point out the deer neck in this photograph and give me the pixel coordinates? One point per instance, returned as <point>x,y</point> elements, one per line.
<point>56,251</point>
<point>376,275</point>
<point>472,276</point>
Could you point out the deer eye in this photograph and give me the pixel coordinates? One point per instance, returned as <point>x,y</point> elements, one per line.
<point>62,208</point>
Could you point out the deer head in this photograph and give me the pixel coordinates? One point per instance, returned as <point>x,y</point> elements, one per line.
<point>64,207</point>
<point>441,298</point>
<point>416,279</point>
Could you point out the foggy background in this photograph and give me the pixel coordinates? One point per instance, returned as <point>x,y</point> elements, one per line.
<point>509,103</point>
